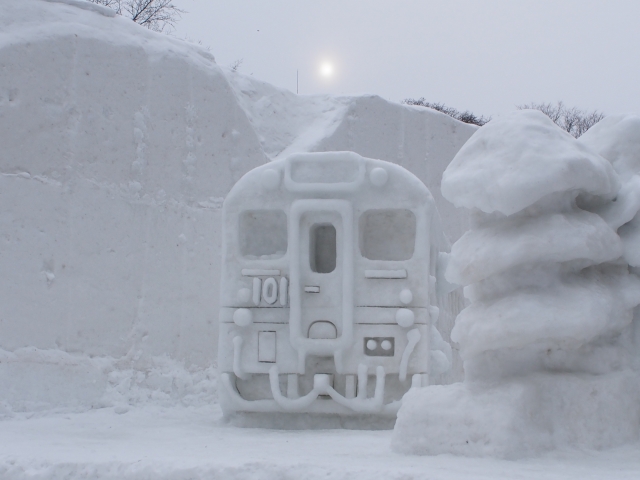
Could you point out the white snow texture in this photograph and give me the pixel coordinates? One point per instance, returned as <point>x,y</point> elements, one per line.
<point>548,340</point>
<point>119,146</point>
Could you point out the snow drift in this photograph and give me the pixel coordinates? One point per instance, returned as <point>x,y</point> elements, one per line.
<point>118,147</point>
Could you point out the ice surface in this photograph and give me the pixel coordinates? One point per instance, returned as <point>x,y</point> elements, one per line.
<point>518,159</point>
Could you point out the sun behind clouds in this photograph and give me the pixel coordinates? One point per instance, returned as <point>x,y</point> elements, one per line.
<point>326,69</point>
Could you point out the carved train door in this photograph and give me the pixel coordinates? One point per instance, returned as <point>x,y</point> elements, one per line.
<point>321,236</point>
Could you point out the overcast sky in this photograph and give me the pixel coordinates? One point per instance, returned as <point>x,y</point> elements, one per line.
<point>483,55</point>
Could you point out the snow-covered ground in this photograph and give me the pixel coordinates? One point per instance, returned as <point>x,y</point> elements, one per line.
<point>184,443</point>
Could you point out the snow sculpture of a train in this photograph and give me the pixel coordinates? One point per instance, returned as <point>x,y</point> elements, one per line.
<point>328,286</point>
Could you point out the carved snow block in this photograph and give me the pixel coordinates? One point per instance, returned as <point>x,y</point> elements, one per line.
<point>327,286</point>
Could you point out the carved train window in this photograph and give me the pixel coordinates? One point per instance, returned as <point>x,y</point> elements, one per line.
<point>263,234</point>
<point>387,234</point>
<point>323,248</point>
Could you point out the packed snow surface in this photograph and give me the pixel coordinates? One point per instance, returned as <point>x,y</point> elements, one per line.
<point>180,443</point>
<point>616,139</point>
<point>568,313</point>
<point>495,248</point>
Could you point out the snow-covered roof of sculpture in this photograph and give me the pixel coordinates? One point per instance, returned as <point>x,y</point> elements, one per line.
<point>617,138</point>
<point>517,159</point>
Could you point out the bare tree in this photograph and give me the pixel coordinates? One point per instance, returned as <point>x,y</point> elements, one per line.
<point>572,120</point>
<point>236,64</point>
<point>156,15</point>
<point>466,116</point>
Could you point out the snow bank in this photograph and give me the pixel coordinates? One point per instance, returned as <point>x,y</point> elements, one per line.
<point>33,380</point>
<point>549,293</point>
<point>119,146</point>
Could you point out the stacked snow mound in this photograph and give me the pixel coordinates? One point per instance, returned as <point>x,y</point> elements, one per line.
<point>118,147</point>
<point>548,294</point>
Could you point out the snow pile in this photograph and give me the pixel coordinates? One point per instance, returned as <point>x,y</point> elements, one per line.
<point>547,338</point>
<point>617,138</point>
<point>33,380</point>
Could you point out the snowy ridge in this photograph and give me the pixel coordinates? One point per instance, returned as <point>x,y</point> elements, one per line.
<point>33,20</point>
<point>421,140</point>
<point>85,5</point>
<point>287,123</point>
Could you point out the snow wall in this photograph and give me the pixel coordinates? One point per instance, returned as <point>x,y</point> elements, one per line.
<point>118,148</point>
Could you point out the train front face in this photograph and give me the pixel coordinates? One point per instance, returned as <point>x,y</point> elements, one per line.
<point>326,277</point>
